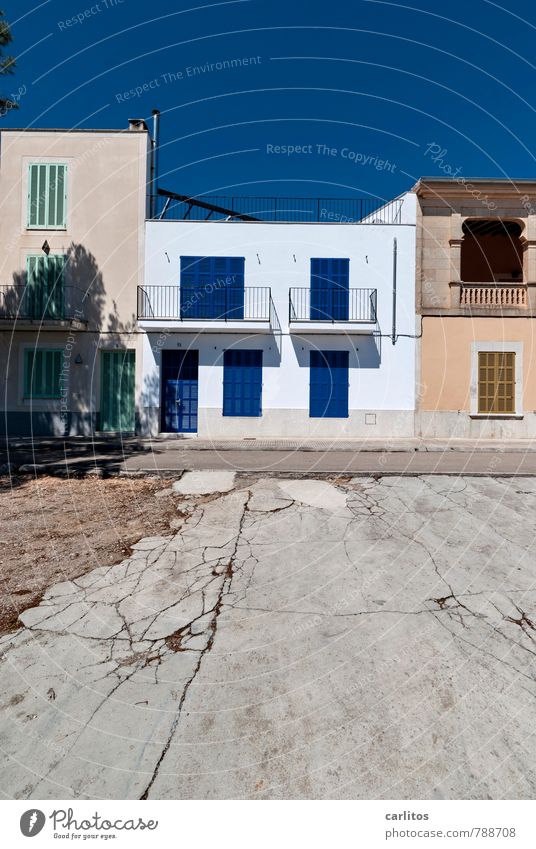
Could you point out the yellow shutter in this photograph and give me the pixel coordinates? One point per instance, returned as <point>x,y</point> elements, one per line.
<point>496,382</point>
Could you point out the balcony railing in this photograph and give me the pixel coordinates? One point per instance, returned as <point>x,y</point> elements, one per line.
<point>333,305</point>
<point>61,303</point>
<point>367,210</point>
<point>212,302</point>
<point>493,295</point>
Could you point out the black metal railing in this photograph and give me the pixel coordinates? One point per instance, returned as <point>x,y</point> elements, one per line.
<point>59,303</point>
<point>212,302</point>
<point>318,210</point>
<point>333,304</point>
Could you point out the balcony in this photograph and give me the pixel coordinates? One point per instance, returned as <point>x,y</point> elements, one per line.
<point>493,295</point>
<point>28,304</point>
<point>332,310</point>
<point>214,307</point>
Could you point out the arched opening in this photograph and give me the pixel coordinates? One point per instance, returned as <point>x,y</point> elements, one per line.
<point>491,252</point>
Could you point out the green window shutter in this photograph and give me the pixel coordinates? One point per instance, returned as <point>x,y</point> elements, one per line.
<point>47,187</point>
<point>117,411</point>
<point>42,373</point>
<point>28,368</point>
<point>45,296</point>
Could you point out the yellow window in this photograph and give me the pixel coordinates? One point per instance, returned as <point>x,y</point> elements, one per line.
<point>496,382</point>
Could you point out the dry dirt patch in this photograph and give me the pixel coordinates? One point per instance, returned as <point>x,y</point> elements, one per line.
<point>53,529</point>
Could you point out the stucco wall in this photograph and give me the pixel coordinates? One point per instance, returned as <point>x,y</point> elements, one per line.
<point>103,238</point>
<point>382,376</point>
<point>106,186</point>
<point>448,349</point>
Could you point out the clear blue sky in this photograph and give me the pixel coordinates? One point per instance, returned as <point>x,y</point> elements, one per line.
<point>375,82</point>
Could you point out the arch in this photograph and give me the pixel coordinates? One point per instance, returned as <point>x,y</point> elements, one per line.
<point>492,250</point>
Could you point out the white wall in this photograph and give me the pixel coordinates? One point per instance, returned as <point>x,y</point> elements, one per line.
<point>382,376</point>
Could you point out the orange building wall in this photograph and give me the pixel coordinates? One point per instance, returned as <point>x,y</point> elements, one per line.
<point>446,358</point>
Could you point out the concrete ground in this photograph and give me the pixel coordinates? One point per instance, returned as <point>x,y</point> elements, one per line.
<point>359,638</point>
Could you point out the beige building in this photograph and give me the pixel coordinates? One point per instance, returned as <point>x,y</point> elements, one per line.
<point>476,306</point>
<point>73,207</point>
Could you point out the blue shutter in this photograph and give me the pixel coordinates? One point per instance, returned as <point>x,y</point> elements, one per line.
<point>212,287</point>
<point>328,388</point>
<point>330,280</point>
<point>242,383</point>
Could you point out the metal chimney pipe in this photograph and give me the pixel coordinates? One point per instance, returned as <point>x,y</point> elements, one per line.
<point>395,258</point>
<point>154,160</point>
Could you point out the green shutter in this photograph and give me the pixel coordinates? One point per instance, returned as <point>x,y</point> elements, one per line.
<point>117,391</point>
<point>47,187</point>
<point>46,286</point>
<point>42,372</point>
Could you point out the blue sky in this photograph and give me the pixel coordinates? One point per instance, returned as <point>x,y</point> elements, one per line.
<point>374,93</point>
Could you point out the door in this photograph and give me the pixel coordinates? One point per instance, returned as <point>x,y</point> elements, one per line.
<point>180,380</point>
<point>330,279</point>
<point>117,391</point>
<point>328,388</point>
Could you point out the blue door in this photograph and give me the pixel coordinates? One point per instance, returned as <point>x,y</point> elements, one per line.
<point>180,373</point>
<point>328,388</point>
<point>212,287</point>
<point>330,280</point>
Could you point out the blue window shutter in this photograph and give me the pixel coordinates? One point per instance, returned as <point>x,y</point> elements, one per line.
<point>242,383</point>
<point>330,281</point>
<point>328,388</point>
<point>212,287</point>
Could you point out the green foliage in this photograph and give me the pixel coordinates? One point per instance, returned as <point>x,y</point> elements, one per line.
<point>7,63</point>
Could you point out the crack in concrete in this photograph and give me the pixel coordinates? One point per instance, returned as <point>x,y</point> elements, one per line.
<point>212,628</point>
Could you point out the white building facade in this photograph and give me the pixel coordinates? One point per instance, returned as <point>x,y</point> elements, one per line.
<point>259,328</point>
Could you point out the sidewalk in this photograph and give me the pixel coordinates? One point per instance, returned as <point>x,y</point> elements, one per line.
<point>166,455</point>
<point>106,444</point>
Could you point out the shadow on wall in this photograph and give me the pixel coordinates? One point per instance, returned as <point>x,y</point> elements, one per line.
<point>364,351</point>
<point>73,303</point>
<point>148,416</point>
<point>84,299</point>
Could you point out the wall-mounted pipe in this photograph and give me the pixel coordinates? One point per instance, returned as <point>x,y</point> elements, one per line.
<point>395,258</point>
<point>155,147</point>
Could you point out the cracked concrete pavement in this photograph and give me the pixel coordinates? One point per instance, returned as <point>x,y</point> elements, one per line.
<point>354,638</point>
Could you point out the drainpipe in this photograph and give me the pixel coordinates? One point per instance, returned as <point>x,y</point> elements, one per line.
<point>154,160</point>
<point>395,255</point>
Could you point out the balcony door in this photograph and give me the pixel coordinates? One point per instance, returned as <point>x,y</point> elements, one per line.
<point>212,287</point>
<point>180,382</point>
<point>330,280</point>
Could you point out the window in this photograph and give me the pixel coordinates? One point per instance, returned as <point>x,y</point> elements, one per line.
<point>496,382</point>
<point>212,287</point>
<point>242,383</point>
<point>42,372</point>
<point>330,280</point>
<point>47,196</point>
<point>328,388</point>
<point>44,295</point>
